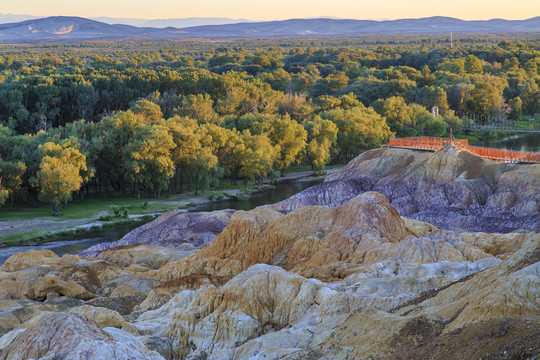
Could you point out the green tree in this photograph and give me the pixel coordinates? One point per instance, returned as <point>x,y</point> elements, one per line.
<point>531,66</point>
<point>113,165</point>
<point>428,79</point>
<point>531,97</point>
<point>453,122</point>
<point>484,99</point>
<point>203,169</point>
<point>473,65</point>
<point>360,129</point>
<point>425,123</point>
<point>149,160</point>
<point>11,174</point>
<point>434,96</point>
<point>516,108</point>
<point>397,113</point>
<point>4,193</point>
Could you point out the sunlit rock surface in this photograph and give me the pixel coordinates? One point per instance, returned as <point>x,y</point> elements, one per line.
<point>451,188</point>
<point>350,279</point>
<point>41,275</point>
<point>266,310</point>
<point>71,336</point>
<point>151,256</point>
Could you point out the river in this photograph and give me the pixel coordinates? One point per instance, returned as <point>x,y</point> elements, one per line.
<point>74,244</point>
<point>527,142</point>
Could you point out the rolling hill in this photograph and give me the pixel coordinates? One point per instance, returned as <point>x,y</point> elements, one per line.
<point>76,28</point>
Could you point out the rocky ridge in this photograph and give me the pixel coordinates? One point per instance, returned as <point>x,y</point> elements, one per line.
<point>451,188</point>
<point>353,279</point>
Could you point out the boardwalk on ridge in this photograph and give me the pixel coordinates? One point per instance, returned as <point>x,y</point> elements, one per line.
<point>435,144</point>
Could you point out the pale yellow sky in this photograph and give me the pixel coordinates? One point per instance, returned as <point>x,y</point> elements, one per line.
<point>278,9</point>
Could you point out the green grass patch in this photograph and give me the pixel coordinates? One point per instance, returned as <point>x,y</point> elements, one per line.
<point>94,206</point>
<point>30,237</point>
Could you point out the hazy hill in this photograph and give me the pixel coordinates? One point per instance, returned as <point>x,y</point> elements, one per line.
<point>158,23</point>
<point>9,18</point>
<point>176,22</point>
<point>65,28</point>
<point>343,26</point>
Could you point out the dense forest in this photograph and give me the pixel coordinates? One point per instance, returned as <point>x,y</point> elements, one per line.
<point>147,118</point>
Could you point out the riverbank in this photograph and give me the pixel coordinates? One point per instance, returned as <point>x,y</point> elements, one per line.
<point>31,227</point>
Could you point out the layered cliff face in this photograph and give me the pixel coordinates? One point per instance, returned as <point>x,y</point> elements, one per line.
<point>451,188</point>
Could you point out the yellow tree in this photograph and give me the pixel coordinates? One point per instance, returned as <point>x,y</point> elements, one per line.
<point>360,129</point>
<point>289,139</point>
<point>201,108</point>
<point>3,193</point>
<point>60,173</point>
<point>148,110</point>
<point>148,158</point>
<point>224,143</point>
<point>186,139</point>
<point>287,136</point>
<point>257,159</point>
<point>11,174</point>
<point>322,136</point>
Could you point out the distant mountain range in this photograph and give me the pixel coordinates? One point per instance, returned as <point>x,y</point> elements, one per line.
<point>176,23</point>
<point>158,23</point>
<point>77,28</point>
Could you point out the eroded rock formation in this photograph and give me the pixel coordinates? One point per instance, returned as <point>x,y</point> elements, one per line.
<point>71,336</point>
<point>175,229</point>
<point>451,188</point>
<point>352,279</point>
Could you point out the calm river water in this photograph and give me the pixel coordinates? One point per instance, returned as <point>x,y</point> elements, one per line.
<point>529,142</point>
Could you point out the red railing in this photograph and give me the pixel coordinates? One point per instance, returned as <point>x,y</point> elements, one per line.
<point>505,155</point>
<point>435,144</point>
<point>423,143</point>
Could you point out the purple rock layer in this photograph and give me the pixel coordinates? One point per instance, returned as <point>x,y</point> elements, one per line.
<point>175,229</point>
<point>451,188</point>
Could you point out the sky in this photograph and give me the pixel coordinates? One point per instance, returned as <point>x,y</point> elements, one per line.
<point>278,9</point>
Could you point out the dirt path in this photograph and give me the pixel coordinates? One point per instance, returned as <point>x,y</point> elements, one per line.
<point>20,226</point>
<point>303,176</point>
